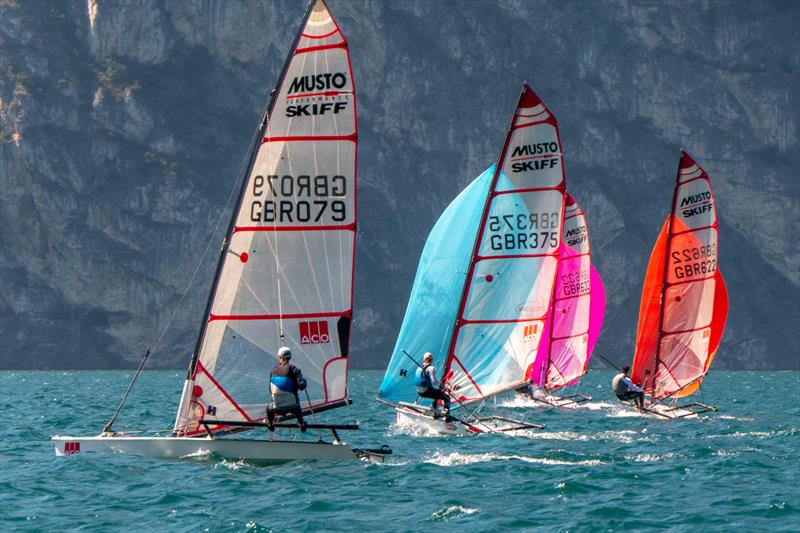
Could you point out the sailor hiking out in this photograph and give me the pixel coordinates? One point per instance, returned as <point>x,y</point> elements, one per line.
<point>426,383</point>
<point>627,390</point>
<point>285,381</point>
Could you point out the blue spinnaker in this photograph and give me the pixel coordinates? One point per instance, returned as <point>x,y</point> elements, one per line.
<point>435,296</point>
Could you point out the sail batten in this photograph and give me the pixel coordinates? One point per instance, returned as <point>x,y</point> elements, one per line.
<point>286,275</point>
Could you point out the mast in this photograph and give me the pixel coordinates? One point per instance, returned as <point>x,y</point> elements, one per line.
<point>664,275</point>
<point>479,237</point>
<point>548,361</point>
<point>243,189</point>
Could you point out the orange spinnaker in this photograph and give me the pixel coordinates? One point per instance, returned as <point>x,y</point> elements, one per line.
<point>647,332</point>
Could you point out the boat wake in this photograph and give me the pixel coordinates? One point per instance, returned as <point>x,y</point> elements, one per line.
<point>232,465</point>
<point>199,454</point>
<point>625,412</point>
<point>413,430</point>
<point>460,459</point>
<point>528,403</point>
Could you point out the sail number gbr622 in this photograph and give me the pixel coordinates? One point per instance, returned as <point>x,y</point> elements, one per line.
<point>302,198</point>
<point>694,262</point>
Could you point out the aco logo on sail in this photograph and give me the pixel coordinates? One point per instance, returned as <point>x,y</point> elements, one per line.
<point>530,333</point>
<point>314,332</point>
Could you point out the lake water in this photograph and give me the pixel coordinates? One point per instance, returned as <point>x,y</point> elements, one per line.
<point>600,467</point>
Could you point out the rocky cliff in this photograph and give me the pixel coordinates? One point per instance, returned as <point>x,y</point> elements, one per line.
<point>123,127</point>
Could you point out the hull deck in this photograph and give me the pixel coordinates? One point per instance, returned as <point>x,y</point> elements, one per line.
<point>184,447</point>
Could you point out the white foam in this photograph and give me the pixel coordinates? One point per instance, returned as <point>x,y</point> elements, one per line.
<point>198,453</point>
<point>460,459</point>
<point>231,465</point>
<point>623,412</point>
<point>413,430</point>
<point>519,401</point>
<point>649,457</point>
<point>452,511</point>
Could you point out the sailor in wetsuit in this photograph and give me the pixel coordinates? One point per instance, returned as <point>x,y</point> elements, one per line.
<point>625,389</point>
<point>285,381</point>
<point>426,382</point>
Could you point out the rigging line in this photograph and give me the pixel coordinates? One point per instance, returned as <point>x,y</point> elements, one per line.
<point>211,239</point>
<point>107,427</point>
<point>157,343</point>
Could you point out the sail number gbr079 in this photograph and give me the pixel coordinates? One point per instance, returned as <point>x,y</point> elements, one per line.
<point>521,232</point>
<point>304,198</point>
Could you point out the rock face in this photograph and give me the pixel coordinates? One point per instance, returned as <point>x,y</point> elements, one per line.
<point>124,127</point>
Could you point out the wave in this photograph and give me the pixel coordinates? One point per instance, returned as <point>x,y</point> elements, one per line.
<point>460,459</point>
<point>450,512</point>
<point>649,457</point>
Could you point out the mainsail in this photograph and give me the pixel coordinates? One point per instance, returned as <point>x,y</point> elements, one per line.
<point>286,272</point>
<point>499,244</point>
<point>684,300</point>
<point>577,312</point>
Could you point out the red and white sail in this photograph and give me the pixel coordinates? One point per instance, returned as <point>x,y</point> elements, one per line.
<point>684,300</point>
<point>509,282</point>
<point>287,274</point>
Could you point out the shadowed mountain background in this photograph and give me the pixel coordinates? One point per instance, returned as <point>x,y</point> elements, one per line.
<point>123,127</point>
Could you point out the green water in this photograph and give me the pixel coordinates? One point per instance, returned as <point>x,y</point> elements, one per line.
<point>599,468</point>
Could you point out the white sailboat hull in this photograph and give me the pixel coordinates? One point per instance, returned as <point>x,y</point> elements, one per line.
<point>418,421</point>
<point>181,447</point>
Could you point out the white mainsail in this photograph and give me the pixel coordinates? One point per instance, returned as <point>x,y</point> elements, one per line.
<point>286,275</point>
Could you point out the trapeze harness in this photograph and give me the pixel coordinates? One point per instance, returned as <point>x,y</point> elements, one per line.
<point>619,386</point>
<point>422,378</point>
<point>284,382</point>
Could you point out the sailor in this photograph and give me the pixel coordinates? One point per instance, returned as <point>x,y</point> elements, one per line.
<point>285,381</point>
<point>625,389</point>
<point>426,383</point>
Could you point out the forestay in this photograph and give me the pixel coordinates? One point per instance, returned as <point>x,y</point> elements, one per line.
<point>286,276</point>
<point>684,300</point>
<point>509,283</point>
<point>577,311</point>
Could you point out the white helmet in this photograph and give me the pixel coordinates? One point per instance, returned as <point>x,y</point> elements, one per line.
<point>285,352</point>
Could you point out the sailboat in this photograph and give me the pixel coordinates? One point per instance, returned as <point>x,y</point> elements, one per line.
<point>284,276</point>
<point>684,300</point>
<point>482,293</point>
<point>575,320</point>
